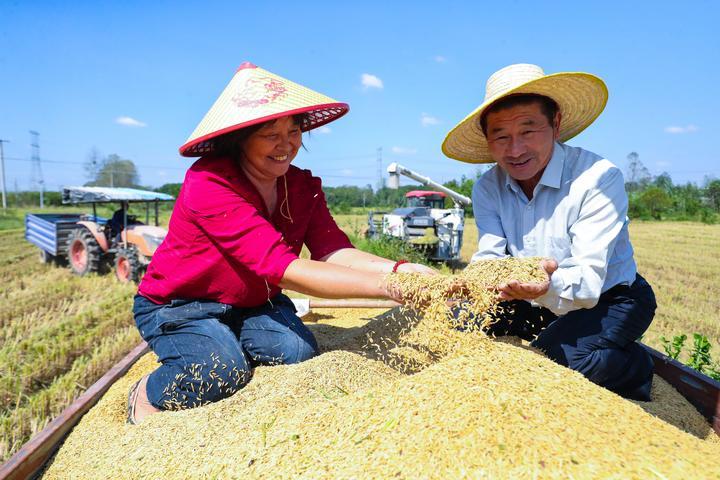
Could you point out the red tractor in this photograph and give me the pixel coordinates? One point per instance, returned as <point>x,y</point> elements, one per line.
<point>89,243</point>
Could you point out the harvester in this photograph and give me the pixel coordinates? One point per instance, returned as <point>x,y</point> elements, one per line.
<point>424,222</point>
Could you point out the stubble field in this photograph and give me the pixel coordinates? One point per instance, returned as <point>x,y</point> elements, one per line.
<point>59,333</point>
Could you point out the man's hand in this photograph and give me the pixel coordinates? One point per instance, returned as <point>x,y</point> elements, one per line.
<point>514,290</point>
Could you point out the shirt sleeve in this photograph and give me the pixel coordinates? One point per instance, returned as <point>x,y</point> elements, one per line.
<point>578,281</point>
<point>235,226</point>
<point>323,236</point>
<point>492,242</point>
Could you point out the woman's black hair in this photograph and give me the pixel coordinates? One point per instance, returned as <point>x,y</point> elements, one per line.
<point>231,143</point>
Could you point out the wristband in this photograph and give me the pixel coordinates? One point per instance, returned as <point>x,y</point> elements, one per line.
<point>397,264</point>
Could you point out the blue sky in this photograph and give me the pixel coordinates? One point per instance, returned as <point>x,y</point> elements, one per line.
<point>73,70</point>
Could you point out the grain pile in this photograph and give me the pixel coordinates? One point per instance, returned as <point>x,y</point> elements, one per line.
<point>480,408</point>
<point>475,288</point>
<point>453,310</point>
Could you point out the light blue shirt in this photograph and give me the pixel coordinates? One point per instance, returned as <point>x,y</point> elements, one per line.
<point>578,216</point>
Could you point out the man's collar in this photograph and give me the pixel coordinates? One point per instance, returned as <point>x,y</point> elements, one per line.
<point>552,176</point>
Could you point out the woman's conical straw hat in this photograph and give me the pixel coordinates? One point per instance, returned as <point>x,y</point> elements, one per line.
<point>254,96</point>
<point>580,96</point>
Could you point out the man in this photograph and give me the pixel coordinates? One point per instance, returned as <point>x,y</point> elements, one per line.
<point>548,199</point>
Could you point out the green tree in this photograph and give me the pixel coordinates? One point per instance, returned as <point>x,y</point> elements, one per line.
<point>170,189</point>
<point>463,187</point>
<point>114,171</point>
<point>655,201</point>
<point>664,182</point>
<point>712,192</point>
<point>638,176</point>
<point>687,200</point>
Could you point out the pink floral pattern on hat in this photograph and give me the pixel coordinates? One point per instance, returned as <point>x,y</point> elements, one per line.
<point>259,91</point>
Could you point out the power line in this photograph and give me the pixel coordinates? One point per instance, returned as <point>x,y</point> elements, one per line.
<point>67,162</point>
<point>20,159</point>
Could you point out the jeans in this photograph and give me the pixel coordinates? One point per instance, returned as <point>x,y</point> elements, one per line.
<point>599,342</point>
<point>208,349</point>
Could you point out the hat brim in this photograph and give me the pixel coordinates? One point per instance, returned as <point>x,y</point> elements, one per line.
<point>314,116</point>
<point>581,97</point>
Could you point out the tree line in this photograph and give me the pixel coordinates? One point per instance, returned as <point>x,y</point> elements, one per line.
<point>650,197</point>
<point>658,198</point>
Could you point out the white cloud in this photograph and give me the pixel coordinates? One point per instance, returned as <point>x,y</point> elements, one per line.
<point>129,122</point>
<point>404,150</point>
<point>662,164</point>
<point>440,59</point>
<point>324,129</point>
<point>677,130</point>
<point>427,120</point>
<point>371,81</point>
<point>347,172</point>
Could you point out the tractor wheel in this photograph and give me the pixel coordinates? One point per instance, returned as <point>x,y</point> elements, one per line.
<point>83,252</point>
<point>127,265</point>
<point>46,257</point>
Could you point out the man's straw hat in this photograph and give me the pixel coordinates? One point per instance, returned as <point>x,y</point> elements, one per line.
<point>580,96</point>
<point>254,96</point>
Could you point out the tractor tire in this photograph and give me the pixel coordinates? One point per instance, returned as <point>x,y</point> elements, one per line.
<point>46,257</point>
<point>127,265</point>
<point>83,252</point>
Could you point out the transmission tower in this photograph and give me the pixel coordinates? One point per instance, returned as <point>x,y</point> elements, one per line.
<point>380,183</point>
<point>37,175</point>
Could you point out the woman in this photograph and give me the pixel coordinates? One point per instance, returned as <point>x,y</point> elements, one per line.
<point>210,305</point>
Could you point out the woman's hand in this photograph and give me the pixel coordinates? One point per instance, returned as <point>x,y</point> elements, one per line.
<point>436,288</point>
<point>514,290</point>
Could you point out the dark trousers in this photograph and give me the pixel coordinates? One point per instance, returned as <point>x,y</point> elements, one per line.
<point>599,342</point>
<point>208,349</point>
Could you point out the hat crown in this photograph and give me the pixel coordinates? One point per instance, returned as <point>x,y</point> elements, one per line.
<point>510,77</point>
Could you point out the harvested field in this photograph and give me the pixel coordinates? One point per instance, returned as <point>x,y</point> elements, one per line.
<point>58,335</point>
<point>471,412</point>
<point>681,260</point>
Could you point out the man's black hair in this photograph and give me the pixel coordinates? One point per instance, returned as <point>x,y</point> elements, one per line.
<point>548,106</point>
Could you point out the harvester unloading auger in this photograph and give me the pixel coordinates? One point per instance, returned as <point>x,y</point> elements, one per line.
<point>424,222</point>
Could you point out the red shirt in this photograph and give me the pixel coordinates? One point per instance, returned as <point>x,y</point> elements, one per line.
<point>223,245</point>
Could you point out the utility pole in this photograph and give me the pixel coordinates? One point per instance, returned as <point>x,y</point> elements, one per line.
<point>380,183</point>
<point>2,171</point>
<point>37,166</point>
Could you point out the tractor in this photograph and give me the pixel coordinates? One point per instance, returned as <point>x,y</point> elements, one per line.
<point>89,243</point>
